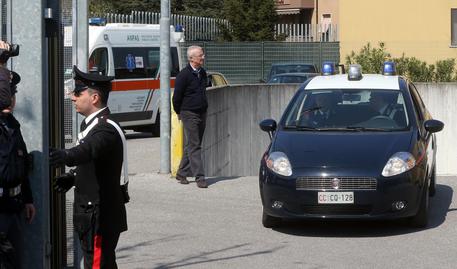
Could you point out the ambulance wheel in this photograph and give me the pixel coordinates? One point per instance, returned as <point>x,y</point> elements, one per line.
<point>155,128</point>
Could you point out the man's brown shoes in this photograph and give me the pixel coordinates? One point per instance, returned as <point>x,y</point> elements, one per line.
<point>182,179</point>
<point>201,183</point>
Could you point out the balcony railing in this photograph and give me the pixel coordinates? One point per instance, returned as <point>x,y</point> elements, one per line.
<point>308,32</point>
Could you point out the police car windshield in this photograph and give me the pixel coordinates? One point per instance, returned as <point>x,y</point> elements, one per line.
<point>348,110</point>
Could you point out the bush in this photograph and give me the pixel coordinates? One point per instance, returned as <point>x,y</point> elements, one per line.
<point>445,70</point>
<point>369,58</point>
<point>372,58</point>
<point>414,69</point>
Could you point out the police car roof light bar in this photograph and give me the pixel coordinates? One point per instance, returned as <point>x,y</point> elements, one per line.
<point>388,69</point>
<point>355,72</point>
<point>97,21</point>
<point>328,68</point>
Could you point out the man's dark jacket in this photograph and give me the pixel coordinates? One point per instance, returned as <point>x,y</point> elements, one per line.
<point>16,204</point>
<point>98,197</point>
<point>190,91</point>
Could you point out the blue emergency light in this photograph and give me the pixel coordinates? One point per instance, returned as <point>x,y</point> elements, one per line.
<point>328,68</point>
<point>97,21</point>
<point>388,69</point>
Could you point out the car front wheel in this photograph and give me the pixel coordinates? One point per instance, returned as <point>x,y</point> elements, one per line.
<point>270,221</point>
<point>432,189</point>
<point>420,220</point>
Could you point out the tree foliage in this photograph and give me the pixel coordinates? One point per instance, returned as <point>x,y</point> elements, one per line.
<point>201,8</point>
<point>372,58</point>
<point>204,8</point>
<point>250,20</point>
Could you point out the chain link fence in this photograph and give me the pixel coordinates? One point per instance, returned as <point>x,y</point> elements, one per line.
<point>69,126</point>
<point>250,62</point>
<point>4,19</point>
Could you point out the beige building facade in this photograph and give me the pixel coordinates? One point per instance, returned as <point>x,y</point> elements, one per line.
<point>425,29</point>
<point>308,11</point>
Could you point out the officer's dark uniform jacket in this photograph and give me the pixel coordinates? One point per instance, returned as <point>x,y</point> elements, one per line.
<point>190,91</point>
<point>15,203</point>
<point>99,203</point>
<point>5,91</point>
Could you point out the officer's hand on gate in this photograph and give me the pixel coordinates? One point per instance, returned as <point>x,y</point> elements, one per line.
<point>64,182</point>
<point>57,156</point>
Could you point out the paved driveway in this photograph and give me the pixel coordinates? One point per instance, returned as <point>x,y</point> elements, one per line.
<point>181,226</point>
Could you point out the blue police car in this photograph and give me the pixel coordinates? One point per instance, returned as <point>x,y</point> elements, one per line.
<point>350,146</point>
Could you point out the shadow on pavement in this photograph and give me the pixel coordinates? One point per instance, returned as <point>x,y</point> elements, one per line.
<point>205,257</point>
<point>439,208</point>
<point>214,180</point>
<point>125,252</point>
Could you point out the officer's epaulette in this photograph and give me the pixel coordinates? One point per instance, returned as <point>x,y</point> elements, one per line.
<point>103,118</point>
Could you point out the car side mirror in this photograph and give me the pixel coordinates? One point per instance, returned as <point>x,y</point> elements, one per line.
<point>433,126</point>
<point>269,126</point>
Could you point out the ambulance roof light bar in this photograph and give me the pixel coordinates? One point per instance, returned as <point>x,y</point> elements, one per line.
<point>97,21</point>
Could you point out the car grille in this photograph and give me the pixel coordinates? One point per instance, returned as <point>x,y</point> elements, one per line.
<point>337,209</point>
<point>329,183</point>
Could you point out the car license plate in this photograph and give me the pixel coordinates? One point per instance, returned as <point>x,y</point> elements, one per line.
<point>335,197</point>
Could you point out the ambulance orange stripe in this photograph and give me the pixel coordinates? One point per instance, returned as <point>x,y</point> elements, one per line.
<point>129,85</point>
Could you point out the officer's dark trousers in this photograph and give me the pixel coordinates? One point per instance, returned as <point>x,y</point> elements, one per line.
<point>100,253</point>
<point>12,226</point>
<point>194,127</point>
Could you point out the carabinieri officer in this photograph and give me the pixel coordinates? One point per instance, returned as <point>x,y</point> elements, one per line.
<point>99,206</point>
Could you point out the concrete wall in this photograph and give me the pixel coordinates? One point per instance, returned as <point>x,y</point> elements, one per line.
<point>233,142</point>
<point>440,99</point>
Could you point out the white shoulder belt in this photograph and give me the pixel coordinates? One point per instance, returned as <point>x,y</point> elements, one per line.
<point>124,173</point>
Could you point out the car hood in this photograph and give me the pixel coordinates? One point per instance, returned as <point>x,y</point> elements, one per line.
<point>340,149</point>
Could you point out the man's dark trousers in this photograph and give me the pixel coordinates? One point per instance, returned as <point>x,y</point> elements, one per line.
<point>194,127</point>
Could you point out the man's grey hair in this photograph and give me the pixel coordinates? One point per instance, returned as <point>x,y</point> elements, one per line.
<point>191,49</point>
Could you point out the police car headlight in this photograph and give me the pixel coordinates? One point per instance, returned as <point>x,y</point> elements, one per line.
<point>399,163</point>
<point>279,163</point>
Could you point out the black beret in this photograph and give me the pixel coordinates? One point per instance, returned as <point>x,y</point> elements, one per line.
<point>91,80</point>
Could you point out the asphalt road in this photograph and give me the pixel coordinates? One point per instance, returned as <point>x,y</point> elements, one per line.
<point>181,226</point>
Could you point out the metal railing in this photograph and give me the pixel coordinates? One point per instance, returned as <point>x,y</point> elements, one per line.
<point>208,29</point>
<point>308,32</point>
<point>195,28</point>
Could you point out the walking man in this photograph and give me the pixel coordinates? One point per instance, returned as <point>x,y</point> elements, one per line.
<point>190,104</point>
<point>99,210</point>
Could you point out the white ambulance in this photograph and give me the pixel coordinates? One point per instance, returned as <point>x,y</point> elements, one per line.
<point>131,53</point>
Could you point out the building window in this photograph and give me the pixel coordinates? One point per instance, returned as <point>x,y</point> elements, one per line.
<point>454,27</point>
